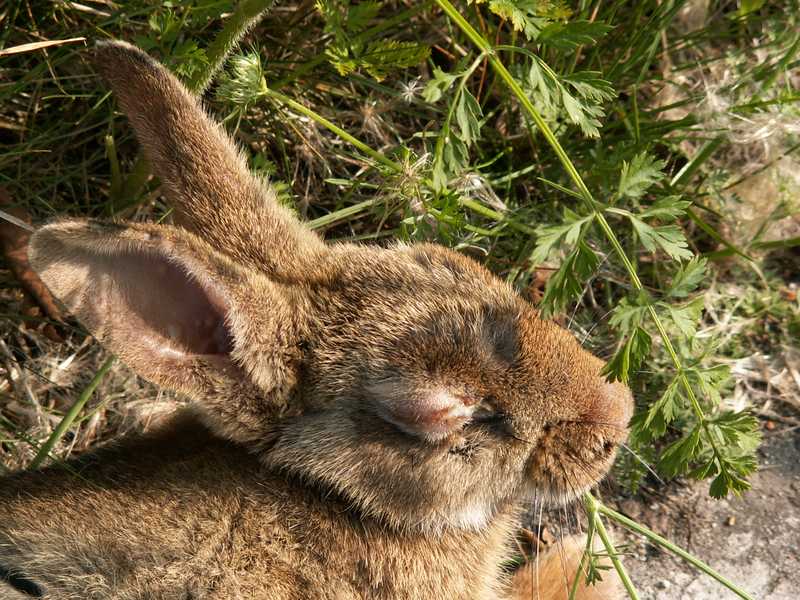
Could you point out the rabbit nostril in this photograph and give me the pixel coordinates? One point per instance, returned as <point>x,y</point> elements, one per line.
<point>608,447</point>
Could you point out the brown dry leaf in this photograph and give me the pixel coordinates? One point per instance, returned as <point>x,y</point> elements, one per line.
<point>538,284</point>
<point>14,247</point>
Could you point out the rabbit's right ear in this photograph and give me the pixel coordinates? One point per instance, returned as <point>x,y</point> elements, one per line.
<point>180,314</point>
<point>205,176</point>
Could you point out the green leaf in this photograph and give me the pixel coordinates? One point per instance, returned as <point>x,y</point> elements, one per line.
<point>629,357</point>
<point>720,486</point>
<point>359,15</point>
<point>549,236</point>
<point>567,282</point>
<point>668,208</point>
<point>590,85</point>
<point>729,480</point>
<point>468,117</point>
<point>455,155</point>
<point>748,6</point>
<point>440,178</point>
<point>521,14</point>
<point>669,238</point>
<point>639,175</point>
<point>586,261</point>
<point>627,315</point>
<point>675,460</point>
<point>437,86</point>
<point>709,380</point>
<point>739,429</point>
<point>551,95</point>
<point>585,116</point>
<point>386,56</point>
<point>347,53</point>
<point>662,412</point>
<point>687,278</point>
<point>541,86</point>
<point>570,35</point>
<point>707,469</point>
<point>685,317</point>
<point>187,58</point>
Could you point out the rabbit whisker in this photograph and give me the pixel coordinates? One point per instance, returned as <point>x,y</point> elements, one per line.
<point>641,460</point>
<point>594,325</point>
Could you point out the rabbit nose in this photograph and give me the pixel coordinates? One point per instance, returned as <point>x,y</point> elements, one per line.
<point>612,405</point>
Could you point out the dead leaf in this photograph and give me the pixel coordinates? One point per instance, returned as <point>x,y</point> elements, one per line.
<point>38,46</point>
<point>14,247</point>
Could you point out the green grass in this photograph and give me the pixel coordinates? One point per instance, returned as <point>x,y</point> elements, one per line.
<point>618,151</point>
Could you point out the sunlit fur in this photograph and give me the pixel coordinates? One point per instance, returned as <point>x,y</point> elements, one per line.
<point>552,575</point>
<point>402,403</point>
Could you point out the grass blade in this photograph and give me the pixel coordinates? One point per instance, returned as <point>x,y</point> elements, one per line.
<point>71,415</point>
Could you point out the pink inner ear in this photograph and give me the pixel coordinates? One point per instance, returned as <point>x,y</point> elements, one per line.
<point>171,307</point>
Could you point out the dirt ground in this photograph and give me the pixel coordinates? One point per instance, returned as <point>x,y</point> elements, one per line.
<point>753,540</point>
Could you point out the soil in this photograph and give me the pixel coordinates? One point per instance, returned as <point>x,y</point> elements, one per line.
<point>754,540</point>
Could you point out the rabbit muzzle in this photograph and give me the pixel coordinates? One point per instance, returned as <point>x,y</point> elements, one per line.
<point>573,454</point>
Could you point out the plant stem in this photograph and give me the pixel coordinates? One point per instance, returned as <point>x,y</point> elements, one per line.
<point>652,535</point>
<point>303,110</point>
<point>593,506</point>
<point>71,415</point>
<point>444,132</point>
<point>387,162</point>
<point>581,565</point>
<point>116,173</point>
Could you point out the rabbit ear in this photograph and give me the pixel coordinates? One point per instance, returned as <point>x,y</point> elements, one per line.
<point>178,313</point>
<point>430,413</point>
<point>206,178</point>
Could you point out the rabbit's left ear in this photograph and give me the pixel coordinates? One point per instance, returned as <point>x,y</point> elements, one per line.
<point>180,314</point>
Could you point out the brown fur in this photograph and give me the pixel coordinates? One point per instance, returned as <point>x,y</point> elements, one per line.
<point>402,403</point>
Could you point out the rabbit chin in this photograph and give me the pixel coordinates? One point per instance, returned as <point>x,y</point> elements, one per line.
<point>477,515</point>
<point>551,496</point>
<point>473,517</point>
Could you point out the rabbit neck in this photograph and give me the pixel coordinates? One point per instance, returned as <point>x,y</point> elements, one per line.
<point>412,563</point>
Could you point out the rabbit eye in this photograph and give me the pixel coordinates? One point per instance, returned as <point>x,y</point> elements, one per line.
<point>490,418</point>
<point>487,416</point>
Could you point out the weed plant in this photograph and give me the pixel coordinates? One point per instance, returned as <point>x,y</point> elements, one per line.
<point>578,149</point>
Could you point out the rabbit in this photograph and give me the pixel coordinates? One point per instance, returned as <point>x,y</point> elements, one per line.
<point>366,422</point>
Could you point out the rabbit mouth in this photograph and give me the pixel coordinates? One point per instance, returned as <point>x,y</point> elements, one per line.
<point>570,459</point>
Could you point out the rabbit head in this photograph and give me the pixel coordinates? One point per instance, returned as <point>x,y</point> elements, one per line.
<point>409,380</point>
<point>436,396</point>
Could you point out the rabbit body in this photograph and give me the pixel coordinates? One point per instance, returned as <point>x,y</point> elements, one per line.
<point>181,514</point>
<point>387,411</point>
